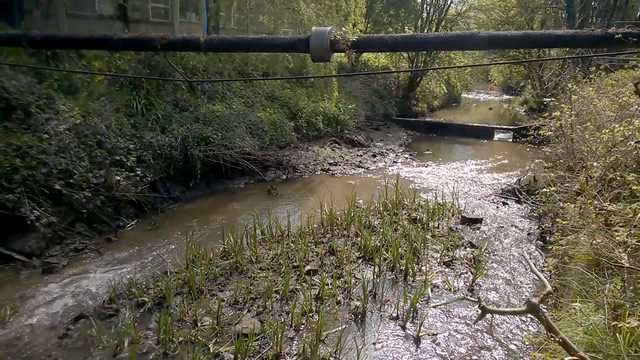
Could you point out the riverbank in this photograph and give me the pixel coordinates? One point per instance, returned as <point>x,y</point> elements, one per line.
<point>589,203</point>
<point>365,147</point>
<point>85,156</point>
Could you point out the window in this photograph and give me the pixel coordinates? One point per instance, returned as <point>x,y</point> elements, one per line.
<point>190,10</point>
<point>160,10</point>
<point>83,6</point>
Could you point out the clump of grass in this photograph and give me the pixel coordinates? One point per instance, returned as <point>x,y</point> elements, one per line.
<point>243,345</point>
<point>295,275</point>
<point>478,266</point>
<point>165,329</point>
<point>276,331</point>
<point>6,313</point>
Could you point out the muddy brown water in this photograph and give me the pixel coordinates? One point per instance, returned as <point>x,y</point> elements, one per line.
<point>483,108</point>
<point>475,170</point>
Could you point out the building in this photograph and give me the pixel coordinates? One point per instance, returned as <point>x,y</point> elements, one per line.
<point>176,17</point>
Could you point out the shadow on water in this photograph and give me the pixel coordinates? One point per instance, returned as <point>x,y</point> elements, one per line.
<point>475,170</point>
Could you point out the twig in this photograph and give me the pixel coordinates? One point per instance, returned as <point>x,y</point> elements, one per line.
<point>532,307</point>
<point>184,76</point>
<point>13,255</point>
<point>621,265</point>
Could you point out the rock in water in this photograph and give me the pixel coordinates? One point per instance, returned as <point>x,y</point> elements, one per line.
<point>248,325</point>
<point>470,220</point>
<point>27,244</point>
<point>54,265</point>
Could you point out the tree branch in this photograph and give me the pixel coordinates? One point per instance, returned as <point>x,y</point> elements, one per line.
<point>532,307</point>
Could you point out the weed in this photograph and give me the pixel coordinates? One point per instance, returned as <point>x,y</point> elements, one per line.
<point>165,330</point>
<point>359,348</point>
<point>340,342</point>
<point>276,331</point>
<point>6,313</point>
<point>478,266</point>
<point>243,345</point>
<point>219,313</point>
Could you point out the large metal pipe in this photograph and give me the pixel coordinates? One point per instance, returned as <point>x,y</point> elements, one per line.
<point>611,39</point>
<point>506,40</point>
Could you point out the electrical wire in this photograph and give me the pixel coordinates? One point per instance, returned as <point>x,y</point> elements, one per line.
<point>316,76</point>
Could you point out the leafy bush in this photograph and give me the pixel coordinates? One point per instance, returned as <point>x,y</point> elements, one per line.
<point>85,148</point>
<point>593,207</point>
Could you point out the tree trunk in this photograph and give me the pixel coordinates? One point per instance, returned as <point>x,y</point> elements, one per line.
<point>584,14</point>
<point>123,14</point>
<point>408,95</point>
<point>620,11</point>
<point>570,13</point>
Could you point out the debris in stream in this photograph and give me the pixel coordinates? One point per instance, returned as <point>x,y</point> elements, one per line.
<point>468,219</point>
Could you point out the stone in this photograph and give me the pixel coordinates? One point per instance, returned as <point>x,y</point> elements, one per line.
<point>53,265</point>
<point>35,263</point>
<point>248,325</point>
<point>56,260</point>
<point>471,220</point>
<point>312,269</point>
<point>49,269</point>
<point>26,244</point>
<point>356,140</point>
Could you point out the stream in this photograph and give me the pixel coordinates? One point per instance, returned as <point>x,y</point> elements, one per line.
<point>475,170</point>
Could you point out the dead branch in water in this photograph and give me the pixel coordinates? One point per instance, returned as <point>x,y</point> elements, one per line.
<point>532,307</point>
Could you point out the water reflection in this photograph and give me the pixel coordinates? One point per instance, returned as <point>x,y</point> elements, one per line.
<point>482,108</point>
<point>506,156</point>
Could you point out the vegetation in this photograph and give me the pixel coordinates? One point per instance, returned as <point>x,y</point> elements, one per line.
<point>270,283</point>
<point>592,208</point>
<point>98,151</point>
<point>91,149</point>
<point>534,83</point>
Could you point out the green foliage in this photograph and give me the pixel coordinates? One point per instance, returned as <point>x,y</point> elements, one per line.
<point>592,205</point>
<point>89,144</point>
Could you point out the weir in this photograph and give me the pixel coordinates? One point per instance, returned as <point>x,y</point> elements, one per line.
<point>453,128</point>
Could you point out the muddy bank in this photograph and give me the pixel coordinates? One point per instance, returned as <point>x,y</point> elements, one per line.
<point>366,147</point>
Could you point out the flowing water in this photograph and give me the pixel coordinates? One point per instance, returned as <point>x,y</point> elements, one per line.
<point>474,169</point>
<point>482,108</point>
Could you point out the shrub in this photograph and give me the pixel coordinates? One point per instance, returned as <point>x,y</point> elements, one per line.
<point>593,207</point>
<point>81,148</point>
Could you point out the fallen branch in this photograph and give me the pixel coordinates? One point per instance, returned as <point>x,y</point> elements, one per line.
<point>532,307</point>
<point>13,255</point>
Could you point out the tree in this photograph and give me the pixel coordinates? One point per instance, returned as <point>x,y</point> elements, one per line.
<point>583,14</point>
<point>410,16</point>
